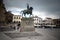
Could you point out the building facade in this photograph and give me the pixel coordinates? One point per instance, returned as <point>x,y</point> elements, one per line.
<point>56,22</point>
<point>2,12</point>
<point>17,18</point>
<point>48,22</point>
<point>9,17</point>
<point>37,21</point>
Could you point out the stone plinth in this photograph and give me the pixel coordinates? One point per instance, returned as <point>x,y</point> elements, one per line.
<point>27,24</point>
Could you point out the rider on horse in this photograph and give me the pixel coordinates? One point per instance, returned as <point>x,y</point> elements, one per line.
<point>27,11</point>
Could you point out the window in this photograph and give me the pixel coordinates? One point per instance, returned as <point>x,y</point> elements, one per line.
<point>14,21</point>
<point>37,19</point>
<point>19,21</point>
<point>19,17</point>
<point>14,17</point>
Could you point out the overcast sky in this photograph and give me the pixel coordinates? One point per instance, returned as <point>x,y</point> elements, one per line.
<point>41,8</point>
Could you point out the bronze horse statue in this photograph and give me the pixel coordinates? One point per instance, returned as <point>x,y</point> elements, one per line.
<point>27,11</point>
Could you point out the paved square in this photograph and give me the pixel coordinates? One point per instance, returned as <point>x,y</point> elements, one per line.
<point>22,34</point>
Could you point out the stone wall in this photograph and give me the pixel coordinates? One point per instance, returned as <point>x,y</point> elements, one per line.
<point>2,12</point>
<point>27,25</point>
<point>5,17</point>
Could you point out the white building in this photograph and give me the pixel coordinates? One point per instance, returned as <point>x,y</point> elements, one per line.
<point>17,18</point>
<point>48,22</point>
<point>37,21</point>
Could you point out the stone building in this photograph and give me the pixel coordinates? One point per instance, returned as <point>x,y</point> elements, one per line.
<point>8,17</point>
<point>2,12</point>
<point>56,22</point>
<point>37,21</point>
<point>5,17</point>
<point>48,22</point>
<point>17,18</point>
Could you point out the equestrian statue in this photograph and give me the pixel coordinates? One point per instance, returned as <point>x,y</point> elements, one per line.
<point>28,11</point>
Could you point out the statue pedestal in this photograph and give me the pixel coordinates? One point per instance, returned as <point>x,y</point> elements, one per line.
<point>27,25</point>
